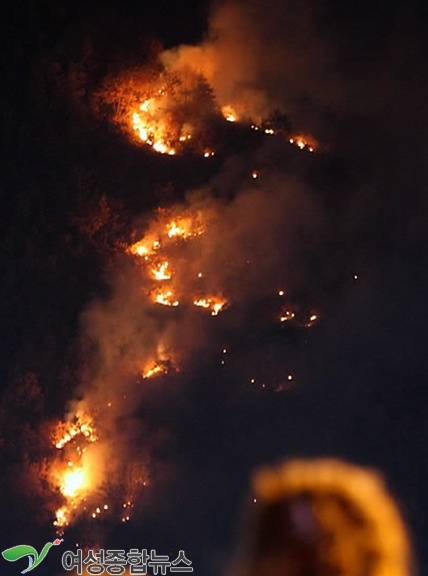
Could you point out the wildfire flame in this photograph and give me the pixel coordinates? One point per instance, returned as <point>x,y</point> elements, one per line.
<point>214,303</point>
<point>149,127</point>
<point>162,257</point>
<point>73,482</point>
<point>72,471</point>
<point>154,120</point>
<point>304,142</point>
<point>164,113</point>
<point>229,113</point>
<point>181,227</point>
<point>161,271</point>
<point>67,431</point>
<point>165,298</point>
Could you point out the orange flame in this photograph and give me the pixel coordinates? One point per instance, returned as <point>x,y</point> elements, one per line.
<point>161,271</point>
<point>214,303</point>
<point>72,472</point>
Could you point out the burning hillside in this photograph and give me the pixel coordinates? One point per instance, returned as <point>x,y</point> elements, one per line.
<point>174,111</point>
<point>210,274</point>
<point>189,266</point>
<point>194,280</point>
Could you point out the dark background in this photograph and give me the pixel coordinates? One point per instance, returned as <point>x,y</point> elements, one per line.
<point>362,372</point>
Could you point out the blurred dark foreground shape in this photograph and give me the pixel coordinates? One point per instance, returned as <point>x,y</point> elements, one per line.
<point>323,517</point>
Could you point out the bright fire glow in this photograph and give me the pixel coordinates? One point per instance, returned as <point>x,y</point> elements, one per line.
<point>311,320</point>
<point>73,482</point>
<point>304,142</point>
<point>67,431</point>
<point>165,298</point>
<point>161,272</point>
<point>72,471</point>
<point>215,304</point>
<point>287,315</point>
<point>180,227</point>
<point>229,113</point>
<point>150,127</point>
<point>157,369</point>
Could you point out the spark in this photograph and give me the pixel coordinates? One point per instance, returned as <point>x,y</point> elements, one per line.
<point>311,321</point>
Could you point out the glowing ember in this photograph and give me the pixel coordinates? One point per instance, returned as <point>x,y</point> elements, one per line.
<point>304,142</point>
<point>311,321</point>
<point>287,315</point>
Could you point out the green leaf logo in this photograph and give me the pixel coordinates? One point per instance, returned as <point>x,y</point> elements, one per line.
<point>21,551</point>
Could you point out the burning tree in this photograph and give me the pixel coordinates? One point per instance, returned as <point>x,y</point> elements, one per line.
<point>167,111</point>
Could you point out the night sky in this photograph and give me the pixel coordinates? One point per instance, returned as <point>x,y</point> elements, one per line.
<point>346,229</point>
